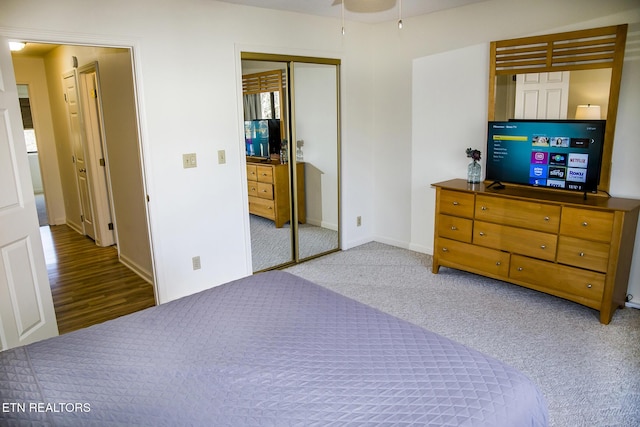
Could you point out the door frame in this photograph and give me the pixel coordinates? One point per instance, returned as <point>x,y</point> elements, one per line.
<point>64,38</point>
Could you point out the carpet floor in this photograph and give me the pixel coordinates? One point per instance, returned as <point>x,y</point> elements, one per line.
<point>588,372</point>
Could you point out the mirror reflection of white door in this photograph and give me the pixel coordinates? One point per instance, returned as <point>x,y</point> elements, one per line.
<point>75,129</point>
<point>542,95</point>
<point>26,304</point>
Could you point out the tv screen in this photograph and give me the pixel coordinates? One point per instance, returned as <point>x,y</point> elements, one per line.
<point>564,154</point>
<point>262,137</point>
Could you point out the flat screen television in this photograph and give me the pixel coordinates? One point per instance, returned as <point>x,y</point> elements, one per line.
<point>561,154</point>
<point>262,137</point>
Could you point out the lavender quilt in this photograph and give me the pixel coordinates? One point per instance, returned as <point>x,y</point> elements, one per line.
<point>268,350</point>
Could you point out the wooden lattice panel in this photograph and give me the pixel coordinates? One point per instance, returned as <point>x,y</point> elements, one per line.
<point>585,49</point>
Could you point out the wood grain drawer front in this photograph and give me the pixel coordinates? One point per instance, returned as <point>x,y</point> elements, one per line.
<point>252,174</point>
<point>587,224</point>
<point>455,228</point>
<point>456,203</point>
<point>583,253</point>
<point>519,213</point>
<point>517,240</point>
<point>265,191</point>
<point>262,207</point>
<point>265,173</point>
<point>478,258</point>
<point>568,280</point>
<point>252,188</point>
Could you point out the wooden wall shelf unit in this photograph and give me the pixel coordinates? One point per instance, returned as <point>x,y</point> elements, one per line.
<point>554,242</point>
<point>268,186</point>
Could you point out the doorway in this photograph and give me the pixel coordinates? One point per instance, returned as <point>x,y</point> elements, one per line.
<point>106,82</point>
<point>300,166</point>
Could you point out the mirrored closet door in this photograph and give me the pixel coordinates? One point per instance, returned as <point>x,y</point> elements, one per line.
<point>292,139</point>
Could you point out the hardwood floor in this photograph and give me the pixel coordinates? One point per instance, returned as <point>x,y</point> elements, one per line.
<point>88,283</point>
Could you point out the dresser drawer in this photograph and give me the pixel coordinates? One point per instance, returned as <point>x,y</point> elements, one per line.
<point>265,191</point>
<point>518,240</point>
<point>252,174</point>
<point>265,173</point>
<point>583,253</point>
<point>587,224</point>
<point>455,228</point>
<point>585,287</point>
<point>262,207</point>
<point>475,257</point>
<point>252,188</point>
<point>519,213</point>
<point>456,203</point>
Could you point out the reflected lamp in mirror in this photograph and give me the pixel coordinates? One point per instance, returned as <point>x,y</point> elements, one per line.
<point>588,112</point>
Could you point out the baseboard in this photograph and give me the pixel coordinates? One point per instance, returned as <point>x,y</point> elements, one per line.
<point>131,265</point>
<point>76,227</point>
<point>353,243</point>
<point>392,242</point>
<point>421,248</point>
<point>632,304</point>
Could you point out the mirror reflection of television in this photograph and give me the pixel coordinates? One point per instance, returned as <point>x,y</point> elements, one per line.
<point>262,137</point>
<point>559,154</point>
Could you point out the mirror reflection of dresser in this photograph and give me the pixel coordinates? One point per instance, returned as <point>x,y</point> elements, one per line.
<point>268,187</point>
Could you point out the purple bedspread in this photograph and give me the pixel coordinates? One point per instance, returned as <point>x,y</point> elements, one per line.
<point>270,349</point>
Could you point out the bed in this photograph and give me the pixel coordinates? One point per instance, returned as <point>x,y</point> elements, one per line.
<point>270,349</point>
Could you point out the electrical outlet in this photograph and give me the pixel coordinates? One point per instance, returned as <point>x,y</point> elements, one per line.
<point>222,157</point>
<point>195,261</point>
<point>189,160</point>
<point>358,221</point>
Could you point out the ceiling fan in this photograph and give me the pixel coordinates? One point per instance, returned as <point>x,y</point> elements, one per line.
<point>366,6</point>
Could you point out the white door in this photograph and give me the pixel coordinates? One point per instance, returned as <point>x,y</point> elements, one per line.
<point>26,305</point>
<point>81,165</point>
<point>96,159</point>
<point>542,95</point>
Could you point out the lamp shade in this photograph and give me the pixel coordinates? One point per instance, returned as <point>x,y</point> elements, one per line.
<point>588,112</point>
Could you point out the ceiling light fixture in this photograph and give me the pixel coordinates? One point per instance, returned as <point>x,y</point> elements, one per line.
<point>16,46</point>
<point>399,14</point>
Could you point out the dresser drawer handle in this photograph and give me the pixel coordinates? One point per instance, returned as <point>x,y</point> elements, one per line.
<point>498,263</point>
<point>483,208</point>
<point>455,203</point>
<point>445,250</point>
<point>270,207</point>
<point>520,268</point>
<point>454,228</point>
<point>589,285</point>
<point>546,218</point>
<point>581,253</point>
<point>481,233</point>
<point>543,246</point>
<point>584,224</point>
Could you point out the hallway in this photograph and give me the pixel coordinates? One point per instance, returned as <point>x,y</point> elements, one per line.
<point>88,283</point>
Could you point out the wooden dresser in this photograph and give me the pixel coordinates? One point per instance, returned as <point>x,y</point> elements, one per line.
<point>268,187</point>
<point>553,242</point>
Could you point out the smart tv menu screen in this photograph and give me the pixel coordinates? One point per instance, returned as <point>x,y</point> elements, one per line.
<point>560,154</point>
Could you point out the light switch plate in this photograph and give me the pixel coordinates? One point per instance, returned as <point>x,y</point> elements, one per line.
<point>222,157</point>
<point>189,160</point>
